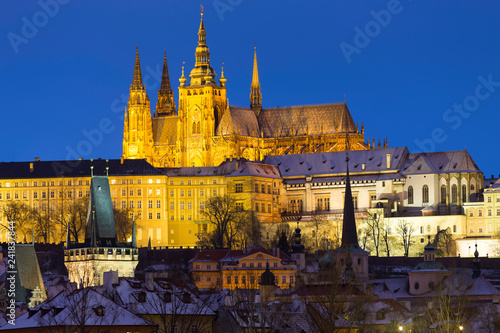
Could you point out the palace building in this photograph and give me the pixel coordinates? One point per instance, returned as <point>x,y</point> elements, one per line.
<point>204,130</point>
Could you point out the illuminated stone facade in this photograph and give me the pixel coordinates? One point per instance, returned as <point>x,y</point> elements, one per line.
<point>205,130</point>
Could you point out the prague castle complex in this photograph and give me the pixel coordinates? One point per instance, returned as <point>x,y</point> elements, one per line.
<point>204,130</point>
<point>285,164</point>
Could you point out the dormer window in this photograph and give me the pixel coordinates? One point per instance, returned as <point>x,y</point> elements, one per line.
<point>99,310</point>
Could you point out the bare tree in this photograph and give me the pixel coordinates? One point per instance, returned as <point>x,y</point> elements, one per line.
<point>250,230</point>
<point>44,224</point>
<point>405,230</point>
<point>444,243</point>
<point>386,238</point>
<point>449,306</point>
<point>226,219</point>
<point>174,309</point>
<point>375,222</point>
<point>488,319</point>
<point>123,223</point>
<point>73,212</point>
<point>319,223</point>
<point>21,214</point>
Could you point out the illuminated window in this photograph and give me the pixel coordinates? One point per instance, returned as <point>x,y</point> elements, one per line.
<point>239,187</point>
<point>454,194</point>
<point>410,195</point>
<point>425,194</point>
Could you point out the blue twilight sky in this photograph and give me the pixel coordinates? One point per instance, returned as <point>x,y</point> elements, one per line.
<point>424,74</point>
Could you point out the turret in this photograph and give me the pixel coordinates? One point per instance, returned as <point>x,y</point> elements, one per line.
<point>202,73</point>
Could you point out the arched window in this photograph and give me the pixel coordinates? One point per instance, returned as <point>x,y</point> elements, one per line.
<point>425,194</point>
<point>464,193</point>
<point>454,193</point>
<point>410,195</point>
<point>196,128</point>
<point>443,194</point>
<point>472,188</point>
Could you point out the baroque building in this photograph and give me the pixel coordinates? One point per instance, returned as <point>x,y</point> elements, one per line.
<point>205,130</point>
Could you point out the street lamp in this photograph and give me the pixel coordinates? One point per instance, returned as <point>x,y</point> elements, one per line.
<point>400,328</point>
<point>460,328</point>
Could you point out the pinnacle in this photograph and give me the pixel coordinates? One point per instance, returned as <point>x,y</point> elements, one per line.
<point>165,78</point>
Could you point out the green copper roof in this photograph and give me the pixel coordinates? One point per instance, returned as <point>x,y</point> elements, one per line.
<point>100,230</point>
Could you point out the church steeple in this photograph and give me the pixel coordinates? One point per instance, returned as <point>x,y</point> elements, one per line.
<point>165,104</point>
<point>255,95</point>
<point>137,80</point>
<point>137,129</point>
<point>349,234</point>
<point>202,73</point>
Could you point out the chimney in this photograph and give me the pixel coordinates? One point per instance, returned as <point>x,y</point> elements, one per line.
<point>389,156</point>
<point>363,166</point>
<point>37,159</point>
<point>32,167</point>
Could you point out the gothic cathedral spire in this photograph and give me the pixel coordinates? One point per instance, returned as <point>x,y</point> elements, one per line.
<point>165,105</point>
<point>137,130</point>
<point>202,73</point>
<point>255,95</point>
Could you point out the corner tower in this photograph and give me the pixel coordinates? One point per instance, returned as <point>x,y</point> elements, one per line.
<point>255,94</point>
<point>202,104</point>
<point>137,129</point>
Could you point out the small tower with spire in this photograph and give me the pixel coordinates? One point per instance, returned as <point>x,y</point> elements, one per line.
<point>351,259</point>
<point>255,94</point>
<point>137,129</point>
<point>165,105</point>
<point>298,250</point>
<point>476,265</point>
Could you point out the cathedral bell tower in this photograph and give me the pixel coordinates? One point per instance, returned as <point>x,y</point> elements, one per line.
<point>137,129</point>
<point>201,105</point>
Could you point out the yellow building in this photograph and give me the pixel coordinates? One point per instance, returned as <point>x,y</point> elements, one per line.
<point>205,130</point>
<point>231,269</point>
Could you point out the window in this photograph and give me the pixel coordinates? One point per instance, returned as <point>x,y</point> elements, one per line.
<point>425,194</point>
<point>189,181</point>
<point>131,204</point>
<point>236,279</point>
<point>471,213</point>
<point>498,211</point>
<point>158,203</point>
<point>182,193</point>
<point>489,199</point>
<point>158,216</point>
<point>383,184</point>
<point>214,193</point>
<point>472,188</point>
<point>268,189</point>
<point>201,193</point>
<point>454,194</point>
<point>283,279</point>
<point>131,193</point>
<point>319,204</point>
<point>464,194</point>
<point>150,203</point>
<point>202,204</point>
<point>256,207</point>
<point>150,216</point>
<point>291,279</point>
<point>171,193</point>
<point>327,203</point>
<point>263,188</point>
<point>214,182</point>
<point>124,193</point>
<point>263,206</point>
<point>354,201</point>
<point>454,228</point>
<point>421,230</point>
<point>256,188</point>
<point>190,205</point>
<point>172,205</point>
<point>228,280</point>
<point>269,208</point>
<point>489,212</point>
<point>123,181</point>
<point>139,204</point>
<point>35,195</point>
<point>189,193</point>
<point>158,191</point>
<point>201,182</point>
<point>443,194</point>
<point>480,213</point>
<point>239,188</point>
<point>124,204</point>
<point>244,265</point>
<point>190,218</point>
<point>80,194</point>
<point>182,205</point>
<point>410,195</point>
